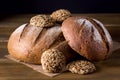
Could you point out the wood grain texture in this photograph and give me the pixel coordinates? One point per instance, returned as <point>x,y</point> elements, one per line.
<point>10,70</point>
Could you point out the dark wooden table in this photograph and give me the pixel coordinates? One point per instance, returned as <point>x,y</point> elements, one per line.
<point>10,70</point>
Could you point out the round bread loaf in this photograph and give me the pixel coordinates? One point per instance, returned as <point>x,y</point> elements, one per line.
<point>88,37</point>
<point>28,42</point>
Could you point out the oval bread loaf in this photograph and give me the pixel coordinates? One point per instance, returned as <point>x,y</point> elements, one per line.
<point>28,42</point>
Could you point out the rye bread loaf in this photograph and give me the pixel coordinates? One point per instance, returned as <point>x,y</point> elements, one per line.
<point>88,37</point>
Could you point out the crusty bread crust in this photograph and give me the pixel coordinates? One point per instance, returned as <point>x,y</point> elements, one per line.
<point>28,42</point>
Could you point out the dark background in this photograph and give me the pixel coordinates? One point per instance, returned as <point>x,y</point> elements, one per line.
<point>47,6</point>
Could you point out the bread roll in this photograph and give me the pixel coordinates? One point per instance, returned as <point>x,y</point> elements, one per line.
<point>88,37</point>
<point>60,15</point>
<point>81,67</point>
<point>28,42</point>
<point>55,59</point>
<point>42,21</point>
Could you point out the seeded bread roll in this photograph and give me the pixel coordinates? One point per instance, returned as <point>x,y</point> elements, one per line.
<point>88,37</point>
<point>81,67</point>
<point>60,15</point>
<point>28,42</point>
<point>42,21</point>
<point>55,59</point>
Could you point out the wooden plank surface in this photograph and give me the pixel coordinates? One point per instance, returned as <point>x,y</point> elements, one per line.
<point>10,70</point>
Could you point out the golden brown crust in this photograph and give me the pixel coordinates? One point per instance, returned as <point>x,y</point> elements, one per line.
<point>88,37</point>
<point>27,43</point>
<point>68,52</point>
